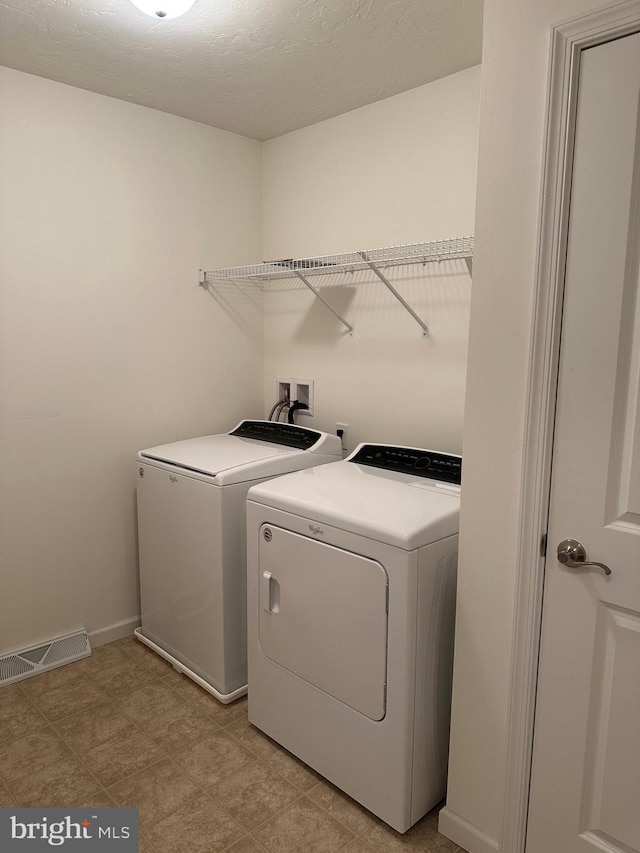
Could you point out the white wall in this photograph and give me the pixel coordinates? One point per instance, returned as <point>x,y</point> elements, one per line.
<point>398,171</point>
<point>107,210</point>
<point>512,126</point>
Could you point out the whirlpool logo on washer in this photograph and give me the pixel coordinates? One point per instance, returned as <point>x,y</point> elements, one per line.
<point>316,530</point>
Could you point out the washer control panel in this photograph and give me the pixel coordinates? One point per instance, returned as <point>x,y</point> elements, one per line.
<point>410,460</point>
<point>289,435</point>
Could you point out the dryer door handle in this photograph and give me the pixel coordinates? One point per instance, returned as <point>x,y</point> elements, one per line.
<point>265,591</point>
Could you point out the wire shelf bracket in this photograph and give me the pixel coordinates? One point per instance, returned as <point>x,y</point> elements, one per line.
<point>403,302</point>
<point>372,259</point>
<point>324,301</point>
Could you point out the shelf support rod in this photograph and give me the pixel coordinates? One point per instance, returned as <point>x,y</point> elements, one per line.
<point>323,300</point>
<point>403,302</point>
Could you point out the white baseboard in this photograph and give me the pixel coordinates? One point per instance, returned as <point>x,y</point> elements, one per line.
<point>114,632</point>
<point>465,834</point>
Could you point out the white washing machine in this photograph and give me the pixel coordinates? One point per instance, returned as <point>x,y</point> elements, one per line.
<point>351,598</point>
<point>192,542</point>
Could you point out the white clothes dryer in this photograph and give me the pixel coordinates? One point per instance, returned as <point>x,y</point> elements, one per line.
<point>192,542</point>
<point>351,598</point>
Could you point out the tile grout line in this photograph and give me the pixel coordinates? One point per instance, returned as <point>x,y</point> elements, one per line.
<point>155,678</point>
<point>165,756</point>
<point>104,789</point>
<point>301,793</point>
<point>51,726</point>
<point>317,805</point>
<point>168,756</point>
<point>258,758</point>
<point>25,696</point>
<point>249,832</point>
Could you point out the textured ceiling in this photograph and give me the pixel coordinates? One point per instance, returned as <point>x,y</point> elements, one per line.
<point>256,67</point>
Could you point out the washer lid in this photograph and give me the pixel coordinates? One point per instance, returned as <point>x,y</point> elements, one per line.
<point>404,510</point>
<point>238,456</point>
<point>211,454</point>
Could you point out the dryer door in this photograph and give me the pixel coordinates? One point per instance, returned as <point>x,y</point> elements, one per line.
<point>323,617</point>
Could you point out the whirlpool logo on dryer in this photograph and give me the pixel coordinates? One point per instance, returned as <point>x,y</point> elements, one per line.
<point>316,530</point>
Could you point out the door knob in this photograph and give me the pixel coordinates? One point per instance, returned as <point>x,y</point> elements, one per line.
<point>571,553</point>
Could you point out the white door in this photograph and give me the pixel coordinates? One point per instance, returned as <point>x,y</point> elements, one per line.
<point>585,793</point>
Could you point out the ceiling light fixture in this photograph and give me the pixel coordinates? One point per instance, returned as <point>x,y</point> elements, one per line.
<point>163,9</point>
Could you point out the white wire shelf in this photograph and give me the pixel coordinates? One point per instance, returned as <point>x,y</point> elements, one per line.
<point>416,253</point>
<point>372,259</point>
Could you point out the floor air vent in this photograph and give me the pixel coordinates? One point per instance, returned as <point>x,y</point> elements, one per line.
<point>32,661</point>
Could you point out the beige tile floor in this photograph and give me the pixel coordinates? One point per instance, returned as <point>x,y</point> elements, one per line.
<point>123,728</point>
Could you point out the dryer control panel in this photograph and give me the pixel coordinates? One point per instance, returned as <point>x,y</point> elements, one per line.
<point>411,460</point>
<point>289,435</point>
